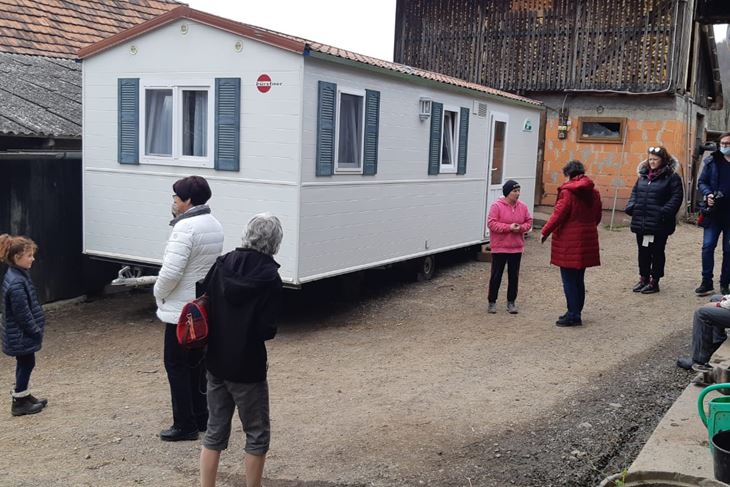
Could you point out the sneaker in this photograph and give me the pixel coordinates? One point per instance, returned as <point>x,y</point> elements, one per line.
<point>701,367</point>
<point>640,285</point>
<point>511,308</point>
<point>651,288</point>
<point>565,321</point>
<point>685,363</point>
<point>492,308</point>
<point>705,289</point>
<point>176,434</point>
<point>724,290</point>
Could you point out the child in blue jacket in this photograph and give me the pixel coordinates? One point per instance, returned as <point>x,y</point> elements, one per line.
<point>23,319</point>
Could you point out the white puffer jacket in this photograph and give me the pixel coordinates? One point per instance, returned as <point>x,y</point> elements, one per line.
<point>194,245</point>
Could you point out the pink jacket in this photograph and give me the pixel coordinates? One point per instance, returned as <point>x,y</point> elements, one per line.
<point>501,216</point>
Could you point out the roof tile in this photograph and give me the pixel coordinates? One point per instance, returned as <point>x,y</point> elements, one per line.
<point>59,28</point>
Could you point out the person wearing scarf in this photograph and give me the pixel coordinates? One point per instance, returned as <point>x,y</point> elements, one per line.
<point>195,243</point>
<point>655,200</point>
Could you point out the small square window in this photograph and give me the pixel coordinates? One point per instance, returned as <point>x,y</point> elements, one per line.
<point>601,129</point>
<point>176,126</point>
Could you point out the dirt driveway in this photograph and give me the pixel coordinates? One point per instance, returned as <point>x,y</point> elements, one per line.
<point>412,384</point>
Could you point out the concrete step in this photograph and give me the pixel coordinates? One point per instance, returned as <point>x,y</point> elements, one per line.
<point>680,441</point>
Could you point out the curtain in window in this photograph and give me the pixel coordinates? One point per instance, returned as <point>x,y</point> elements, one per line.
<point>350,136</point>
<point>158,122</point>
<point>195,123</point>
<point>447,152</point>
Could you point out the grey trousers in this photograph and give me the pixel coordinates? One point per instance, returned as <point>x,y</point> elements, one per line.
<point>708,330</point>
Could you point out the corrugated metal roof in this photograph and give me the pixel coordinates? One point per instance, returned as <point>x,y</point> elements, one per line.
<point>291,43</point>
<point>59,28</point>
<point>40,96</point>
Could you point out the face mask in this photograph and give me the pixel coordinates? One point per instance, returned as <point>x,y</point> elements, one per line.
<point>175,211</point>
<point>725,151</point>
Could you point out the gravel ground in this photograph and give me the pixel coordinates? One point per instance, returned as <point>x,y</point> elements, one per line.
<point>409,384</point>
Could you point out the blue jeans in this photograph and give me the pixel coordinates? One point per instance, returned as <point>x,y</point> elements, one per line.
<point>708,331</point>
<point>575,291</point>
<point>709,242</point>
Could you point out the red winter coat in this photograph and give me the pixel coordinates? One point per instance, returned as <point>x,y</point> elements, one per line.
<point>574,224</point>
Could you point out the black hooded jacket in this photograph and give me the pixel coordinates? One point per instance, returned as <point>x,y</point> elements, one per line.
<point>653,205</point>
<point>244,289</point>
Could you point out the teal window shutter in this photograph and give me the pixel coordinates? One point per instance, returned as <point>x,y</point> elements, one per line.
<point>128,120</point>
<point>434,146</point>
<point>326,106</point>
<point>463,140</point>
<point>227,123</point>
<point>372,120</point>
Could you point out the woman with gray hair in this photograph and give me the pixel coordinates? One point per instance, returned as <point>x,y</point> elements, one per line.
<point>244,290</point>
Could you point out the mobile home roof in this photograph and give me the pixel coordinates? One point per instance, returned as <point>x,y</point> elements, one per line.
<point>301,46</point>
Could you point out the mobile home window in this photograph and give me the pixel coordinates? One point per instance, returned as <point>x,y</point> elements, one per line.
<point>350,123</point>
<point>498,146</point>
<point>601,129</point>
<point>449,139</point>
<point>177,125</point>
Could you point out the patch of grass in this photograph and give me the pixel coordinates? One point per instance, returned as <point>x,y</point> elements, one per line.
<point>622,481</point>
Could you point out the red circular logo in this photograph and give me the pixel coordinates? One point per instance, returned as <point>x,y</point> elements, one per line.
<point>263,83</point>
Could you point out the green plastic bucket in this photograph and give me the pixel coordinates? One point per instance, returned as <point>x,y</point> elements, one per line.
<point>718,416</point>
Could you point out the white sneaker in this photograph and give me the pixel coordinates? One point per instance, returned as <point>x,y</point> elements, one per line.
<point>492,308</point>
<point>511,308</point>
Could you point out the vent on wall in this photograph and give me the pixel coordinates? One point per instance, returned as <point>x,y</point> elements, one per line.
<point>480,109</point>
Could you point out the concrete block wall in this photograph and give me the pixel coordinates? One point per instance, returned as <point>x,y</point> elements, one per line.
<point>613,166</point>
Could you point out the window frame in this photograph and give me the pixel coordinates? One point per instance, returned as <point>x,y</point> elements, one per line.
<point>592,139</point>
<point>454,166</point>
<point>362,94</point>
<point>494,119</point>
<point>178,87</point>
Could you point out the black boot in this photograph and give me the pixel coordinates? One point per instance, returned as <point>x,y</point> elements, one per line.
<point>652,287</point>
<point>23,405</point>
<point>38,400</point>
<point>176,434</point>
<point>705,288</point>
<point>643,281</point>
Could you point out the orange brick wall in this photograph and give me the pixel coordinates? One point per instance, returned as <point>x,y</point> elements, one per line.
<point>611,166</point>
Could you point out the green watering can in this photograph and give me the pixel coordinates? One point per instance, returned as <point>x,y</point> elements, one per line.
<point>719,410</point>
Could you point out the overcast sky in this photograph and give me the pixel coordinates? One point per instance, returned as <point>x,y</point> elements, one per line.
<point>368,30</point>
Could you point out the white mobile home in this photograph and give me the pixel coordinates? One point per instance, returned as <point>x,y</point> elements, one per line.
<point>366,162</point>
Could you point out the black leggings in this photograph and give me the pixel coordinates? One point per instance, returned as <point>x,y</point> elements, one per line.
<point>513,274</point>
<point>23,367</point>
<point>651,257</point>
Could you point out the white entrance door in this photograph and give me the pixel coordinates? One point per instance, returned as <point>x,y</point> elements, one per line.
<point>497,159</point>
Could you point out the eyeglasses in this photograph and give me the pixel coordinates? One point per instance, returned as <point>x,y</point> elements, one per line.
<point>655,150</point>
<point>724,144</point>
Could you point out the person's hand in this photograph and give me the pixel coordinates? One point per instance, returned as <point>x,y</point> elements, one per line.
<point>543,238</point>
<point>515,227</point>
<point>710,199</point>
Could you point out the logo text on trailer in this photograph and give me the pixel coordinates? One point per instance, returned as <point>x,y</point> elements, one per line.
<point>264,83</point>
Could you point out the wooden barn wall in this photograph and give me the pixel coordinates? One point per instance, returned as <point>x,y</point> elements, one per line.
<point>41,198</point>
<point>545,45</point>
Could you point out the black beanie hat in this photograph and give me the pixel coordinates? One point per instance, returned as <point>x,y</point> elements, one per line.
<point>510,185</point>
